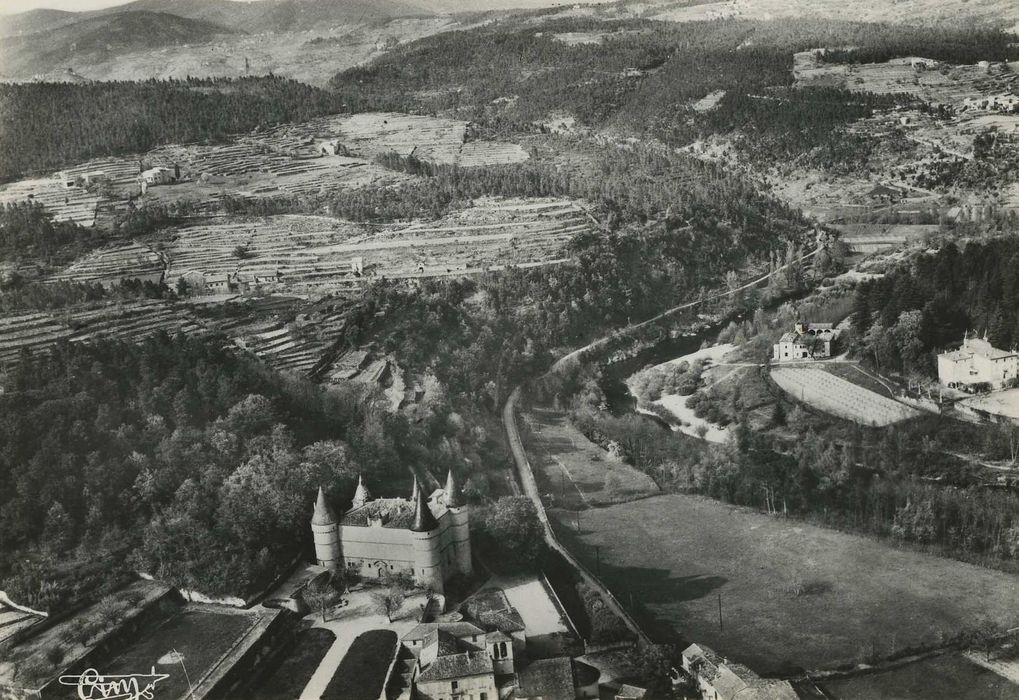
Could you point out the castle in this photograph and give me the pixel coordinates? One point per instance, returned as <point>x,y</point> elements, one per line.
<point>426,537</point>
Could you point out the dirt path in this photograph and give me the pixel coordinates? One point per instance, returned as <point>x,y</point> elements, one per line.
<point>530,487</point>
<point>355,619</point>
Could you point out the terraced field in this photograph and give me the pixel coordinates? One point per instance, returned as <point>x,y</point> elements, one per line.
<point>66,203</point>
<point>39,332</point>
<point>302,254</point>
<point>839,397</point>
<point>110,266</point>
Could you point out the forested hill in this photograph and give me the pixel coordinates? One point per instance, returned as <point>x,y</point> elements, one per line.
<point>37,132</point>
<point>643,77</point>
<point>905,318</point>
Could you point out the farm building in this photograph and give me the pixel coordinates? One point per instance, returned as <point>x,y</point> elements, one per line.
<point>977,362</point>
<point>806,341</point>
<point>466,654</point>
<point>428,538</point>
<point>160,176</point>
<point>720,679</point>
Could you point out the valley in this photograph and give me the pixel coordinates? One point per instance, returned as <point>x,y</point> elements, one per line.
<point>653,309</point>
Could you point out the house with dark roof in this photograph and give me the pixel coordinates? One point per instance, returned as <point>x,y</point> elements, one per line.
<point>806,341</point>
<point>455,661</point>
<point>490,609</point>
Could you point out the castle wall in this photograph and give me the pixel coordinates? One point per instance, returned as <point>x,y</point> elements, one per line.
<point>368,550</point>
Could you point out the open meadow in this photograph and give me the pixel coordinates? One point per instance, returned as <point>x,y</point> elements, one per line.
<point>792,594</point>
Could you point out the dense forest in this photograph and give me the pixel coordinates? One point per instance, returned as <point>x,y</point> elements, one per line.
<point>182,459</point>
<point>902,320</point>
<point>44,126</point>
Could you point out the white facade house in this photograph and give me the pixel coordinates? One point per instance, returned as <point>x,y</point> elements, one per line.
<point>977,362</point>
<point>808,341</point>
<point>157,176</point>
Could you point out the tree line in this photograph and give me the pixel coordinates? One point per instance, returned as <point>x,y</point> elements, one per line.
<point>46,126</point>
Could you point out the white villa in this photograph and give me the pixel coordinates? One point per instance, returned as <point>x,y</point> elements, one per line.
<point>977,361</point>
<point>807,341</point>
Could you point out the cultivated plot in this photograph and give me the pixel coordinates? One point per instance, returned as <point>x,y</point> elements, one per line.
<point>839,397</point>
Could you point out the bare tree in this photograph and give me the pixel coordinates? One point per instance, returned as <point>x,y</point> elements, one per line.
<point>388,601</point>
<point>322,592</point>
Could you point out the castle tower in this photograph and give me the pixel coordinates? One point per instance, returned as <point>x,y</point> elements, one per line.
<point>459,525</point>
<point>426,538</point>
<point>361,495</point>
<point>325,534</point>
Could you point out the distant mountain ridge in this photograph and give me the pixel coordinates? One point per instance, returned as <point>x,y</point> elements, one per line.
<point>100,36</point>
<point>248,17</point>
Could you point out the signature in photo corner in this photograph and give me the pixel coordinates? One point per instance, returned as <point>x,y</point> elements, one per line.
<point>92,685</point>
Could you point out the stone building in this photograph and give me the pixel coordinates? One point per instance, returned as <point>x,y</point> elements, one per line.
<point>806,341</point>
<point>426,537</point>
<point>977,362</point>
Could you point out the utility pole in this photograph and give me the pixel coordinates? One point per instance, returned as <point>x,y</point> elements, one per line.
<point>578,519</point>
<point>597,558</point>
<point>720,612</point>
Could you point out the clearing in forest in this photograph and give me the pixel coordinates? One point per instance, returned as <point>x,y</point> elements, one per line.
<point>840,397</point>
<point>792,594</point>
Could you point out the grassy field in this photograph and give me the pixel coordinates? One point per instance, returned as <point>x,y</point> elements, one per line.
<point>576,472</point>
<point>952,675</point>
<point>793,595</point>
<point>201,637</point>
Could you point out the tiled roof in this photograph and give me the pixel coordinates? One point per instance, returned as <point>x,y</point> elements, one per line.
<point>631,692</point>
<point>395,513</point>
<point>468,663</point>
<point>551,679</point>
<point>460,630</point>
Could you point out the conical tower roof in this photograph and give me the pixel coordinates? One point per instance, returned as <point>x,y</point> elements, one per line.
<point>424,521</point>
<point>454,496</point>
<point>324,515</point>
<point>361,494</point>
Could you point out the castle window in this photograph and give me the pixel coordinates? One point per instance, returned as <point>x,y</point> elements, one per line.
<point>484,696</point>
<point>454,685</point>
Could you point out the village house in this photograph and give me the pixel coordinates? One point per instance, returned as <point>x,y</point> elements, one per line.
<point>719,679</point>
<point>159,176</point>
<point>806,341</point>
<point>977,362</point>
